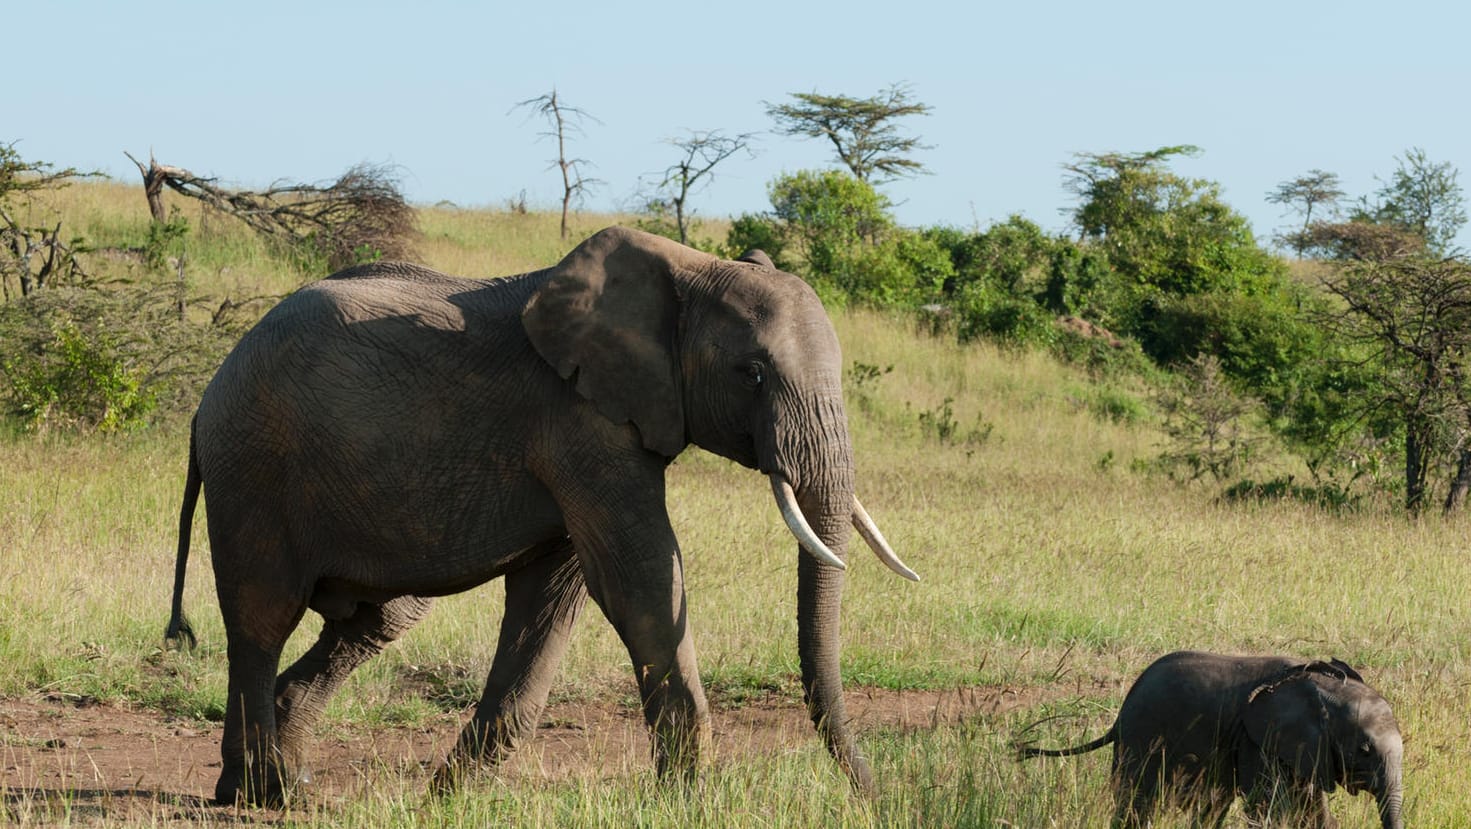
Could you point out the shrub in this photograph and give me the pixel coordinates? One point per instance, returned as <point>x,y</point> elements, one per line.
<point>78,380</point>
<point>111,359</point>
<point>1101,356</point>
<point>1115,405</point>
<point>984,311</point>
<point>1077,277</point>
<point>752,231</point>
<point>835,232</point>
<point>1329,496</point>
<point>1259,339</point>
<point>1206,423</point>
<point>903,269</point>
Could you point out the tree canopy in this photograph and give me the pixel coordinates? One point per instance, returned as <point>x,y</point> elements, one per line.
<point>863,131</point>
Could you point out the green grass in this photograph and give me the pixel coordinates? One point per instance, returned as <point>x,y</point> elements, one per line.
<point>1049,562</point>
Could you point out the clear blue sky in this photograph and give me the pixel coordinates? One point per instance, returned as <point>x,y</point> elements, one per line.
<point>262,91</point>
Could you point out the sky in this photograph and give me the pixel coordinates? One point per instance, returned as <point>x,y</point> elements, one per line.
<point>271,91</point>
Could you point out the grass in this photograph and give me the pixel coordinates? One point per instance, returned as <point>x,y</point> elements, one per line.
<point>1052,559</point>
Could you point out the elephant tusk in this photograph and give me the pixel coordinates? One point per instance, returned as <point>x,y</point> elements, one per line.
<point>863,523</point>
<point>786,501</point>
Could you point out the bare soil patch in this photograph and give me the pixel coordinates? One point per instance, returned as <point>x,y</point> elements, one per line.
<point>80,760</point>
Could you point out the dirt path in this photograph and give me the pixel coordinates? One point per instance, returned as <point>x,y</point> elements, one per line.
<point>81,760</point>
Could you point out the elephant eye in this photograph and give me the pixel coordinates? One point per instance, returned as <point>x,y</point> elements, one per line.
<point>753,373</point>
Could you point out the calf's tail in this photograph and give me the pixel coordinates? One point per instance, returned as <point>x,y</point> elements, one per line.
<point>1033,751</point>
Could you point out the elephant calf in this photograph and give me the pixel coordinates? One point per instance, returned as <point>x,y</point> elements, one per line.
<point>1201,728</point>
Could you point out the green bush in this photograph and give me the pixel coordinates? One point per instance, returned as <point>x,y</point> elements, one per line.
<point>1115,405</point>
<point>751,231</point>
<point>1260,339</point>
<point>985,311</point>
<point>834,231</point>
<point>827,215</point>
<point>1102,356</point>
<point>902,269</point>
<point>1329,496</point>
<point>1077,282</point>
<point>77,380</point>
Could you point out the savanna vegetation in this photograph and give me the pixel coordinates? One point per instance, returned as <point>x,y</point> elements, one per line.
<point>1154,433</point>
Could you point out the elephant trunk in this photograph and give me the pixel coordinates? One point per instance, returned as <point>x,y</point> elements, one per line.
<point>824,496</point>
<point>819,605</point>
<point>1390,797</point>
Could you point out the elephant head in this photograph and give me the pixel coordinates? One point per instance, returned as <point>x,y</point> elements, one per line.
<point>740,359</point>
<point>1323,724</point>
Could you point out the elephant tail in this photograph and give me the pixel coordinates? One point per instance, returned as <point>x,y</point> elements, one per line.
<point>1025,751</point>
<point>180,634</point>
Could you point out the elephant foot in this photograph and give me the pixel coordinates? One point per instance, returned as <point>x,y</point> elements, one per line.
<point>454,773</point>
<point>267,789</point>
<point>678,747</point>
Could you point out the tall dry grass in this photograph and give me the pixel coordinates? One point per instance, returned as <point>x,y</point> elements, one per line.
<point>1052,558</point>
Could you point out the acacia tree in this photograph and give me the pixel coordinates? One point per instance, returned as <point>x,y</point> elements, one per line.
<point>1422,197</point>
<point>1302,194</point>
<point>863,131</point>
<point>702,151</point>
<point>565,121</point>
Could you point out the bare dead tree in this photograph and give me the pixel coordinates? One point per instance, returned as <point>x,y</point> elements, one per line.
<point>564,121</point>
<point>702,149</point>
<point>155,176</point>
<point>362,215</point>
<point>35,252</point>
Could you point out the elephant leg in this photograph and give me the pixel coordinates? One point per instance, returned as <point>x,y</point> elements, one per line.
<point>251,766</point>
<point>632,565</point>
<point>543,600</point>
<point>302,692</point>
<point>1135,788</point>
<point>673,699</point>
<point>1309,807</point>
<point>663,655</point>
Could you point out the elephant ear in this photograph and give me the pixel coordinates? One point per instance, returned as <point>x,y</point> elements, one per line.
<point>757,256</point>
<point>1288,721</point>
<point>609,315</point>
<point>1337,667</point>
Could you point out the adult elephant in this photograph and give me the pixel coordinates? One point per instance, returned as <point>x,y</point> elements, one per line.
<point>390,434</point>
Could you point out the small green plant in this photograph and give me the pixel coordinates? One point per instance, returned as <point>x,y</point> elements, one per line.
<point>165,240</point>
<point>365,253</point>
<point>940,423</point>
<point>864,375</point>
<point>1206,423</point>
<point>1116,406</point>
<point>863,381</point>
<point>78,380</point>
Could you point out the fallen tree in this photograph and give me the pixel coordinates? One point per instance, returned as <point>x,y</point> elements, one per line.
<point>360,217</point>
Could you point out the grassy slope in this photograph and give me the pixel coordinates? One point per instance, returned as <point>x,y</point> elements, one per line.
<point>1046,561</point>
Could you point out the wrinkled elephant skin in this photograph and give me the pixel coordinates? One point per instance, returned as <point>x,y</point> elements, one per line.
<point>390,434</point>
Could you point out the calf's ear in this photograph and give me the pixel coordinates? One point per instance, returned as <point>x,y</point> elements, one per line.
<point>1288,721</point>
